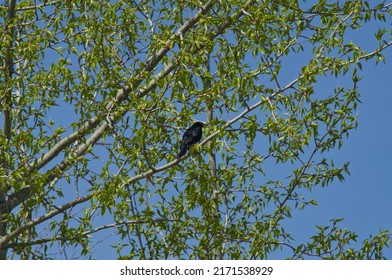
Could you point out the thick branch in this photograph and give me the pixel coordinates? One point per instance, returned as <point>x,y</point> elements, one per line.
<point>7,105</point>
<point>9,68</point>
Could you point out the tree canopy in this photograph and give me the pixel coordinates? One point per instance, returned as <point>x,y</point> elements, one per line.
<point>96,95</point>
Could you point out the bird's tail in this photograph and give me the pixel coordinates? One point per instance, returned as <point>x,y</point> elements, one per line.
<point>182,152</point>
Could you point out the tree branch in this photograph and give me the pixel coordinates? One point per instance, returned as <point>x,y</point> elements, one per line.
<point>4,240</point>
<point>6,103</point>
<point>55,237</point>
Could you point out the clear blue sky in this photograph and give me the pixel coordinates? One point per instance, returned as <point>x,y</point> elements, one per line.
<point>364,198</point>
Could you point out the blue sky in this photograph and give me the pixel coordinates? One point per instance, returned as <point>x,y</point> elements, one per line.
<point>364,198</point>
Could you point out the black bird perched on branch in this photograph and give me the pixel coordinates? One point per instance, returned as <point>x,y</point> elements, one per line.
<point>191,136</point>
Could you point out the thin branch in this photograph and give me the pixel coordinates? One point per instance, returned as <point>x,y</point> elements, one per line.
<point>4,240</point>
<point>45,4</point>
<point>56,237</point>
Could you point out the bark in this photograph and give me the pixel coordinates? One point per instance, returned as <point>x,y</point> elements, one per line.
<point>7,105</point>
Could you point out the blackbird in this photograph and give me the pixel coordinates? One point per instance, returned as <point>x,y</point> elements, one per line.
<point>191,136</point>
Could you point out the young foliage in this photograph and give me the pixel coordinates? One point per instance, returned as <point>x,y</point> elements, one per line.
<point>96,96</point>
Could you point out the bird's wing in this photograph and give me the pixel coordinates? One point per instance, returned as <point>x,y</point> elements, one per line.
<point>188,136</point>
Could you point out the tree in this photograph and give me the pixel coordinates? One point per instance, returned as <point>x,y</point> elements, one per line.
<point>96,96</point>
